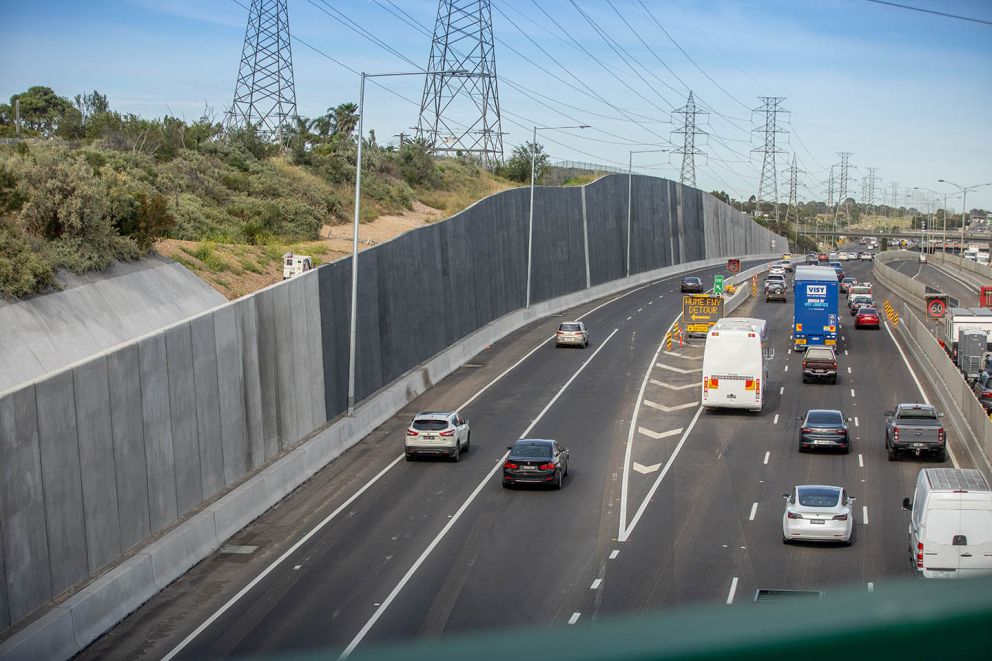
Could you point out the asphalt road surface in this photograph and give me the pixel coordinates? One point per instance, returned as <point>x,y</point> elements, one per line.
<point>669,507</point>
<point>963,287</point>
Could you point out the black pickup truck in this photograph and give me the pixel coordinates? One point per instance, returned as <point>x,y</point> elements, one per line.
<point>820,364</point>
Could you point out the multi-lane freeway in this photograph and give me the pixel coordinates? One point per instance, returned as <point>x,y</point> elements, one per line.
<point>962,286</point>
<point>664,504</point>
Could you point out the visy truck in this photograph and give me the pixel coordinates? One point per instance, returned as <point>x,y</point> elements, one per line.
<point>915,428</point>
<point>814,318</point>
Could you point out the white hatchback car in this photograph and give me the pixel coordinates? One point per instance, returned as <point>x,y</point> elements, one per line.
<point>818,513</point>
<point>572,333</point>
<point>437,433</point>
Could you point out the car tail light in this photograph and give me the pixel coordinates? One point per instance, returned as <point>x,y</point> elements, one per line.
<point>840,431</point>
<point>714,382</point>
<point>748,384</point>
<point>835,364</point>
<point>794,515</point>
<point>448,432</point>
<point>895,433</point>
<point>547,467</point>
<point>919,555</point>
<point>940,435</point>
<point>840,517</point>
<point>757,388</point>
<point>510,465</point>
<point>412,432</point>
<point>804,363</point>
<point>560,333</point>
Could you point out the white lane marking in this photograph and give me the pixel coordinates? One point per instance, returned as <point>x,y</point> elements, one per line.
<point>465,505</point>
<point>861,461</point>
<point>786,368</point>
<point>614,553</point>
<point>278,561</point>
<point>781,389</point>
<point>671,387</point>
<point>848,370</point>
<point>775,421</point>
<point>644,470</point>
<point>626,531</point>
<point>682,355</point>
<point>864,514</point>
<point>595,584</point>
<point>789,351</point>
<point>669,409</point>
<point>677,369</point>
<point>871,586</point>
<point>856,423</point>
<point>754,510</point>
<point>639,309</point>
<point>733,590</point>
<point>658,435</point>
<point>295,567</point>
<point>767,455</point>
<point>628,318</point>
<point>852,392</point>
<point>845,352</point>
<point>574,618</point>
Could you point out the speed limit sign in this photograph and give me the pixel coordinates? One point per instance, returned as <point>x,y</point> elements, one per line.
<point>936,306</point>
<point>734,265</point>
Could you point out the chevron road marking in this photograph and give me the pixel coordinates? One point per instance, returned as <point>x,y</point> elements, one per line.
<point>679,370</point>
<point>671,387</point>
<point>681,355</point>
<point>659,435</point>
<point>669,409</point>
<point>644,470</point>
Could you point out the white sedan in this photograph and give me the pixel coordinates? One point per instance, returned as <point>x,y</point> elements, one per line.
<point>818,513</point>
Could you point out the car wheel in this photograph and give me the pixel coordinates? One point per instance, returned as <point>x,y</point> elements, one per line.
<point>805,380</point>
<point>891,453</point>
<point>507,485</point>
<point>801,448</point>
<point>558,481</point>
<point>457,454</point>
<point>847,449</point>
<point>942,455</point>
<point>409,457</point>
<point>566,468</point>
<point>786,540</point>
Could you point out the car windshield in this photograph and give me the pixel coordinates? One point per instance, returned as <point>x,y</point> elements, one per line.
<point>428,424</point>
<point>824,418</point>
<point>573,328</point>
<point>818,497</point>
<point>536,450</point>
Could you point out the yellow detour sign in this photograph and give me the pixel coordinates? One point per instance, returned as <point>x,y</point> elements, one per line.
<point>700,311</point>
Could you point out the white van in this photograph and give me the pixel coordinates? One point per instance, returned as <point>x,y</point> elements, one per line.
<point>734,371</point>
<point>950,526</point>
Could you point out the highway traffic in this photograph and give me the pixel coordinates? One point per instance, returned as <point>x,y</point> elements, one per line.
<point>664,504</point>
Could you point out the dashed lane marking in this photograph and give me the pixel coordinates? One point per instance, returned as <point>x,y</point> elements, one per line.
<point>733,590</point>
<point>781,390</point>
<point>864,513</point>
<point>659,435</point>
<point>871,586</point>
<point>574,618</point>
<point>669,409</point>
<point>786,368</point>
<point>614,553</point>
<point>852,392</point>
<point>848,370</point>
<point>775,421</point>
<point>856,423</point>
<point>767,455</point>
<point>754,510</point>
<point>595,584</point>
<point>861,461</point>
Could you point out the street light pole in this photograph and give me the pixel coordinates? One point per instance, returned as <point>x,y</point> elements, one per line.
<point>353,322</point>
<point>630,190</point>
<point>530,221</point>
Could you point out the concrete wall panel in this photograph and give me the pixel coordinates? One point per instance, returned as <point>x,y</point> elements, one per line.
<point>4,602</point>
<point>91,384</point>
<point>258,402</point>
<point>334,282</point>
<point>275,367</point>
<point>163,505</point>
<point>296,324</point>
<point>232,392</point>
<point>315,362</point>
<point>182,407</point>
<point>205,379</point>
<point>22,505</point>
<point>130,464</point>
<point>60,473</point>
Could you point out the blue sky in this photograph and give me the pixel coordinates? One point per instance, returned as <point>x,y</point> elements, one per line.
<point>906,92</point>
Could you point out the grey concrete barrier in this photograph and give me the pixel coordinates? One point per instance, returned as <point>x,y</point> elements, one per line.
<point>902,284</point>
<point>981,274</point>
<point>72,625</point>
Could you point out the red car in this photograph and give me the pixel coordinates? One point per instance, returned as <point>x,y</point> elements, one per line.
<point>866,318</point>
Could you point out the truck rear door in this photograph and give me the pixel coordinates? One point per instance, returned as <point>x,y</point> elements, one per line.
<point>940,556</point>
<point>975,542</point>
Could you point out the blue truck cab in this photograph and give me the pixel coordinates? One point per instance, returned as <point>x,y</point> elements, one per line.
<point>814,320</point>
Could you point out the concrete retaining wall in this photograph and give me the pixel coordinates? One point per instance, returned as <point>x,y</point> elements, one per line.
<point>982,273</point>
<point>99,456</point>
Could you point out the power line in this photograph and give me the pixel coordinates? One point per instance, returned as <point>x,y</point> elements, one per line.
<point>933,11</point>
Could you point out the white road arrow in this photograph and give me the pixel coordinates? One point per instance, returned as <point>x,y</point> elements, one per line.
<point>659,435</point>
<point>676,369</point>
<point>644,470</point>
<point>671,387</point>
<point>669,409</point>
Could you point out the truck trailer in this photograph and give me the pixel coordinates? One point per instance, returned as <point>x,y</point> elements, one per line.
<point>814,318</point>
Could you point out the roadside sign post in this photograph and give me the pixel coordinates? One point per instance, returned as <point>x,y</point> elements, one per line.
<point>718,285</point>
<point>700,311</point>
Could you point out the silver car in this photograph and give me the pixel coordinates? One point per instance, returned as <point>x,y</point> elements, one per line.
<point>818,513</point>
<point>572,333</point>
<point>437,433</point>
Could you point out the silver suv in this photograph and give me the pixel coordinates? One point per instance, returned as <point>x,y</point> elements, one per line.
<point>573,333</point>
<point>437,433</point>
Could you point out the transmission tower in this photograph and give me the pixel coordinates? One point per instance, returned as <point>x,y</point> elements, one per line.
<point>793,172</point>
<point>895,196</point>
<point>265,95</point>
<point>768,188</point>
<point>689,131</point>
<point>869,197</point>
<point>459,112</point>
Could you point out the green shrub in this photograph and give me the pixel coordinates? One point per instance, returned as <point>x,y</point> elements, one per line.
<point>24,267</point>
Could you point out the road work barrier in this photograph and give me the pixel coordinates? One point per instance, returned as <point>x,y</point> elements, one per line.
<point>163,447</point>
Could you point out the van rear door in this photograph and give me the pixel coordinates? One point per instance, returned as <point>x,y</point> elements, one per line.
<point>940,556</point>
<point>975,544</point>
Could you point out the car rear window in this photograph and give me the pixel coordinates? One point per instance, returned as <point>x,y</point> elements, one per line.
<point>427,424</point>
<point>813,497</point>
<point>538,451</point>
<point>868,311</point>
<point>572,328</point>
<point>691,281</point>
<point>917,414</point>
<point>820,354</point>
<point>824,418</point>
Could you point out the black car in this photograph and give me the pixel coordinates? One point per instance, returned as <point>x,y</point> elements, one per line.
<point>823,428</point>
<point>535,461</point>
<point>692,285</point>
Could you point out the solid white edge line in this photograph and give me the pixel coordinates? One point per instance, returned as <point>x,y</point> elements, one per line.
<point>626,532</point>
<point>754,510</point>
<point>733,590</point>
<point>625,481</point>
<point>461,510</point>
<point>268,570</point>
